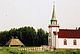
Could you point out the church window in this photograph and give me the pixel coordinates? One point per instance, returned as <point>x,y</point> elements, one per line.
<point>65,42</point>
<point>50,41</point>
<point>74,42</point>
<point>55,33</point>
<point>49,34</point>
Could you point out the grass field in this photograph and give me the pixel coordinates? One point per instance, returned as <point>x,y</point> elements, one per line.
<point>8,50</point>
<point>46,52</point>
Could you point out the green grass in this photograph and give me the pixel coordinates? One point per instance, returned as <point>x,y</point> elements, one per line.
<point>9,50</point>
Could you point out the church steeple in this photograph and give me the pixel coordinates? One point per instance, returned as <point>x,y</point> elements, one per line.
<point>53,14</point>
<point>53,19</point>
<point>53,30</point>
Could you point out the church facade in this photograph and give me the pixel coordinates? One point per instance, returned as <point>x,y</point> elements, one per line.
<point>62,38</point>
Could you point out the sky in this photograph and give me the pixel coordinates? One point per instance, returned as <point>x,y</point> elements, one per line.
<point>37,13</point>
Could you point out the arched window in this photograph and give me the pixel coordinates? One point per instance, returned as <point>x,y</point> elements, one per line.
<point>65,42</point>
<point>49,34</point>
<point>50,41</point>
<point>55,33</point>
<point>74,42</point>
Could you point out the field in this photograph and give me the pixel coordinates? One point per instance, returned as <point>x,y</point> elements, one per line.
<point>8,50</point>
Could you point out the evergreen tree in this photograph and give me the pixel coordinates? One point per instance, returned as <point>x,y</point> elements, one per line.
<point>28,35</point>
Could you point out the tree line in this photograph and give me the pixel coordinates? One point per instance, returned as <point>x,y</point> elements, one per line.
<point>27,35</point>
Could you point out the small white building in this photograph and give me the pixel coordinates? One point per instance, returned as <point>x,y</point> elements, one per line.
<point>62,38</point>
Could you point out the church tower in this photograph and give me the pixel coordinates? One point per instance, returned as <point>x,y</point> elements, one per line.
<point>53,30</point>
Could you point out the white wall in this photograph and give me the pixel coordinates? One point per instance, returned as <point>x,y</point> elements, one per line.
<point>60,43</point>
<point>56,29</point>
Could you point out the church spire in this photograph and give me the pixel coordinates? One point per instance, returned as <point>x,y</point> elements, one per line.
<point>53,14</point>
<point>53,19</point>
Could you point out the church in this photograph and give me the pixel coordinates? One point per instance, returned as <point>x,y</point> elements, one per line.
<point>62,38</point>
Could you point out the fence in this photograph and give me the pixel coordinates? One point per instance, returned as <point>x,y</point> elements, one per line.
<point>38,49</point>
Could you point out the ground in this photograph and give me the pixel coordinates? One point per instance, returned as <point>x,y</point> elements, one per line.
<point>8,50</point>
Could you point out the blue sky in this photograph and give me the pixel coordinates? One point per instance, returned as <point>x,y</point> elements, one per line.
<point>37,13</point>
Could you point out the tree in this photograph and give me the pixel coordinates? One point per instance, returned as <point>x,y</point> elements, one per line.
<point>42,37</point>
<point>28,35</point>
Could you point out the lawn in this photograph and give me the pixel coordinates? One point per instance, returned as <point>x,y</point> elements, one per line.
<point>46,52</point>
<point>8,50</point>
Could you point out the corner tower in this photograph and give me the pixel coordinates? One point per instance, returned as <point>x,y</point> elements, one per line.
<point>53,30</point>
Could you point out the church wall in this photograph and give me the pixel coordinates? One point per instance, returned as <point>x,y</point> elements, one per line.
<point>69,43</point>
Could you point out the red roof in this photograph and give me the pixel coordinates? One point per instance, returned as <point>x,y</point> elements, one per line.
<point>69,33</point>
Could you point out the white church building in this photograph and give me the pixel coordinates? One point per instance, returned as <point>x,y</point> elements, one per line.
<point>62,38</point>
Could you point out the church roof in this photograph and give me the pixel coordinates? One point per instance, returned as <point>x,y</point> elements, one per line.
<point>69,33</point>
